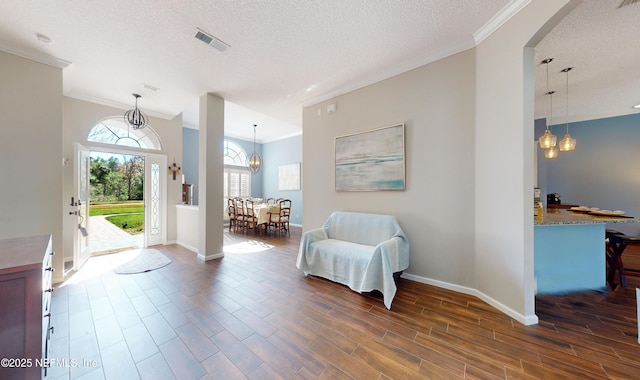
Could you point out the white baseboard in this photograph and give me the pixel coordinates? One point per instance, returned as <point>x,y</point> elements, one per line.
<point>524,319</point>
<point>187,246</point>
<point>211,257</point>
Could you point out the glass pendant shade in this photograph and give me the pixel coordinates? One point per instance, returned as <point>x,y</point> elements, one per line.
<point>551,153</point>
<point>567,143</point>
<point>547,140</point>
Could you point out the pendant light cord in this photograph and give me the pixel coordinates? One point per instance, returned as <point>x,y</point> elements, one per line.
<point>550,93</point>
<point>254,138</point>
<point>567,115</point>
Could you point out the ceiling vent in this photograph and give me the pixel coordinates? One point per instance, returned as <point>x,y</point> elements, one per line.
<point>211,40</point>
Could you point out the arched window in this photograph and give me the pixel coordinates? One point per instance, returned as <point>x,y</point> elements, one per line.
<point>115,131</point>
<point>237,176</point>
<point>234,155</point>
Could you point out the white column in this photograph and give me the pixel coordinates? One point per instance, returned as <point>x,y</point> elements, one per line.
<point>211,170</point>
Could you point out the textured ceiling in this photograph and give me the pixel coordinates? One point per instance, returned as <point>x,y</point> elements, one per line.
<point>287,53</point>
<point>283,54</point>
<point>599,39</point>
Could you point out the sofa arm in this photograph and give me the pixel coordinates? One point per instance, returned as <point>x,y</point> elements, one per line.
<point>396,251</point>
<point>305,241</point>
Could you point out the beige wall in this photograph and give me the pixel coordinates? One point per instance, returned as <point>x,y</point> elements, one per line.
<point>31,150</point>
<point>469,122</point>
<point>38,127</point>
<point>504,160</point>
<point>436,103</point>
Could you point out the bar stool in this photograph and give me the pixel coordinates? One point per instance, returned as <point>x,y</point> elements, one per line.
<point>617,244</point>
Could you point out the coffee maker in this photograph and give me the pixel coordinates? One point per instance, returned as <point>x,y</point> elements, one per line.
<point>553,199</point>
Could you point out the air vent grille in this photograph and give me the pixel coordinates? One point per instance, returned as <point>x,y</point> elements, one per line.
<point>203,37</point>
<point>211,40</point>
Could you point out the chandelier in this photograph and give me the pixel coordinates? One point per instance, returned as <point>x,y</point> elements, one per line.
<point>134,117</point>
<point>255,162</point>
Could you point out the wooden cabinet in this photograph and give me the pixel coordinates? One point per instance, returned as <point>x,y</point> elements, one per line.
<point>25,305</point>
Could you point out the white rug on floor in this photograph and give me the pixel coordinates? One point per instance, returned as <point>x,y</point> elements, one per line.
<point>146,259</point>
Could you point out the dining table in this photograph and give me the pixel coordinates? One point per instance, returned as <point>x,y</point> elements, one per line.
<point>262,211</point>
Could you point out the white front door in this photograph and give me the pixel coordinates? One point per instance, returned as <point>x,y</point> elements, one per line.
<point>82,167</point>
<point>155,197</point>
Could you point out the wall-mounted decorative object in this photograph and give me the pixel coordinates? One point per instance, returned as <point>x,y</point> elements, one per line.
<point>371,160</point>
<point>289,177</point>
<point>174,168</point>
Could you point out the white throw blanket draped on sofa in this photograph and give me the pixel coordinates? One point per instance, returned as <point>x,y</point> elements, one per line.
<point>359,250</point>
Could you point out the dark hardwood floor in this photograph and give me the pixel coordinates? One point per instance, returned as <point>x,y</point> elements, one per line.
<point>253,315</point>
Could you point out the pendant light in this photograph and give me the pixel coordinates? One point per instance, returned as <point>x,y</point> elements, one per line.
<point>548,140</point>
<point>567,143</point>
<point>551,152</point>
<point>134,117</point>
<point>255,162</point>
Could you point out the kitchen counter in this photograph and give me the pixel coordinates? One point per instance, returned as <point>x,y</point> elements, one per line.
<point>569,251</point>
<point>561,216</point>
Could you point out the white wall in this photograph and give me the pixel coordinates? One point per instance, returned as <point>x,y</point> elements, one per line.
<point>436,211</point>
<point>31,151</point>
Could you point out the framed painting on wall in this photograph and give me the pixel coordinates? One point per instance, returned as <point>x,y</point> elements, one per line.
<point>289,177</point>
<point>371,160</point>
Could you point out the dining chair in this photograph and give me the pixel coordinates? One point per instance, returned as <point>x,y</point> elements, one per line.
<point>233,215</point>
<point>280,220</point>
<point>240,214</point>
<point>250,217</point>
<point>270,201</point>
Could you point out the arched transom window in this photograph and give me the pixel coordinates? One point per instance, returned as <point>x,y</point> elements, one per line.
<point>234,155</point>
<point>116,132</point>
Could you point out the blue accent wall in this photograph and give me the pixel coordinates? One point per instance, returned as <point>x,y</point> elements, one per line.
<point>603,171</point>
<point>283,152</point>
<point>264,184</point>
<point>190,159</point>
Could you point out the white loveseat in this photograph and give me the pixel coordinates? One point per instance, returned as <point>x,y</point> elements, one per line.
<point>360,250</point>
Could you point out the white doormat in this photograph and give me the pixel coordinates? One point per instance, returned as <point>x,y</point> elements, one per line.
<point>146,259</point>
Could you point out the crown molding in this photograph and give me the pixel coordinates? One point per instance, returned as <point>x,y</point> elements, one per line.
<point>114,104</point>
<point>509,10</point>
<point>34,56</point>
<point>391,72</point>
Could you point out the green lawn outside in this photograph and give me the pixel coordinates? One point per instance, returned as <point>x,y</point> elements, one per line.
<point>128,216</point>
<point>116,208</point>
<point>131,223</point>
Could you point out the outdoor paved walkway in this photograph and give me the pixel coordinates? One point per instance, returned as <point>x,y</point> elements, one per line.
<point>105,237</point>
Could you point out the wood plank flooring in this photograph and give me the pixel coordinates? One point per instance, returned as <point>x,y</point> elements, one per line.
<point>253,315</point>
